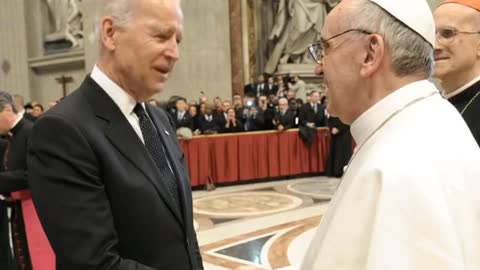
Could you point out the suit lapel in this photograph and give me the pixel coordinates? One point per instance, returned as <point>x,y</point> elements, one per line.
<point>122,136</point>
<point>165,134</point>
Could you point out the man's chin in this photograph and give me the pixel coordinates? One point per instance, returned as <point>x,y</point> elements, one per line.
<point>439,74</point>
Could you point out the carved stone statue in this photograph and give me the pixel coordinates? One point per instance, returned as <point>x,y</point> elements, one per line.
<point>65,21</point>
<point>297,24</point>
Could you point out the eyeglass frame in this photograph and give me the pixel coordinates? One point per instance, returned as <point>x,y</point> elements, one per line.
<point>322,42</point>
<point>455,33</point>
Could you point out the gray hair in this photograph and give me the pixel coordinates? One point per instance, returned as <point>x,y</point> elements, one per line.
<point>411,53</point>
<point>6,99</point>
<point>120,10</point>
<point>283,99</point>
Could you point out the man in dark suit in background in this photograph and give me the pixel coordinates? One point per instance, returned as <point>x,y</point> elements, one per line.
<point>108,177</point>
<point>181,117</point>
<point>312,114</point>
<point>13,177</point>
<point>284,118</point>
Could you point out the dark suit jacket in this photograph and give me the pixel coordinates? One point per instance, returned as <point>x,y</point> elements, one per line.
<point>307,114</point>
<point>205,125</point>
<point>271,89</point>
<point>98,193</point>
<point>15,178</point>
<point>186,121</point>
<point>287,120</point>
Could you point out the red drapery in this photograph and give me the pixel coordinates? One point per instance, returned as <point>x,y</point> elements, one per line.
<point>254,155</point>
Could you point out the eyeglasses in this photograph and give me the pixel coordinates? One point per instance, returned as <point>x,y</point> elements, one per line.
<point>317,50</point>
<point>447,35</point>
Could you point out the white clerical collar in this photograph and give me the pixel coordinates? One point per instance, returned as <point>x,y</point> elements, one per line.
<point>373,118</point>
<point>124,101</point>
<point>16,122</point>
<point>463,88</point>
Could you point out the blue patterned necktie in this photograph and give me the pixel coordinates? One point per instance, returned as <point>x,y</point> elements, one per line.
<point>155,148</point>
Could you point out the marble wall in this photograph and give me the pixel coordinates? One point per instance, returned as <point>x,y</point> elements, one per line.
<point>14,76</point>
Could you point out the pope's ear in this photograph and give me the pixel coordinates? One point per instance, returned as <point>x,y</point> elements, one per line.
<point>373,56</point>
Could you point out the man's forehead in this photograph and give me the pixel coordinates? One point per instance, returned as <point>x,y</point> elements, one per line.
<point>336,19</point>
<point>453,14</point>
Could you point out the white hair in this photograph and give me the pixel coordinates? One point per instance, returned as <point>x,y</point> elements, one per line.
<point>411,53</point>
<point>120,10</point>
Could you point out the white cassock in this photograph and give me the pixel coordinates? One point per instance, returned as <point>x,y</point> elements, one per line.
<point>410,199</point>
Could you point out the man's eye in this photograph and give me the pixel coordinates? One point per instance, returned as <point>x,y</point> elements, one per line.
<point>447,33</point>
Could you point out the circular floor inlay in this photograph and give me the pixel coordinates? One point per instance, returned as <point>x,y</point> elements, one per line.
<point>245,204</point>
<point>318,188</point>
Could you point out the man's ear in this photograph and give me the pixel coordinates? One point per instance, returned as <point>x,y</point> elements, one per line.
<point>107,33</point>
<point>7,108</point>
<point>374,56</point>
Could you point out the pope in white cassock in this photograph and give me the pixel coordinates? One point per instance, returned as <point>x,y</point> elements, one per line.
<point>410,198</point>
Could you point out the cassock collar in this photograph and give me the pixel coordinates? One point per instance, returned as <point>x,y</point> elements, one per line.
<point>466,94</point>
<point>463,88</point>
<point>374,117</point>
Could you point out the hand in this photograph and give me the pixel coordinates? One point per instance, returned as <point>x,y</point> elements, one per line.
<point>281,128</point>
<point>335,131</point>
<point>311,125</point>
<point>254,111</point>
<point>245,112</point>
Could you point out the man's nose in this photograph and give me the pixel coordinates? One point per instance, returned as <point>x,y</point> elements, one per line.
<point>319,69</point>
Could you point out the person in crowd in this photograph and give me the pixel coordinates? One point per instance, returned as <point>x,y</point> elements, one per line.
<point>267,111</point>
<point>341,147</point>
<point>182,118</point>
<point>271,88</point>
<point>37,110</point>
<point>312,114</point>
<point>232,124</point>
<point>208,123</point>
<point>252,116</point>
<point>284,119</point>
<point>298,86</point>
<point>193,112</point>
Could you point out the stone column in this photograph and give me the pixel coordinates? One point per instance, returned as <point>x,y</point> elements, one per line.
<point>236,46</point>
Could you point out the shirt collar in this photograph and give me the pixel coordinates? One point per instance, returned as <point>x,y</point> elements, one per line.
<point>371,120</point>
<point>124,101</point>
<point>16,126</point>
<point>463,88</point>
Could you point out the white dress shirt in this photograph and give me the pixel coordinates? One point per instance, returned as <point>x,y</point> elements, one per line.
<point>124,101</point>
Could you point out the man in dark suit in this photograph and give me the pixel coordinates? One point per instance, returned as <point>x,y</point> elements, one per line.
<point>181,117</point>
<point>312,114</point>
<point>107,175</point>
<point>284,118</point>
<point>13,177</point>
<point>271,88</point>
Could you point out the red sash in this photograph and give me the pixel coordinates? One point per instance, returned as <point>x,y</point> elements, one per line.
<point>41,253</point>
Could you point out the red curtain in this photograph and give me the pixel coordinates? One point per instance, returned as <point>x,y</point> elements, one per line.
<point>254,155</point>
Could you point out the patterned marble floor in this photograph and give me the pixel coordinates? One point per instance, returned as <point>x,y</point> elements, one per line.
<point>267,225</point>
